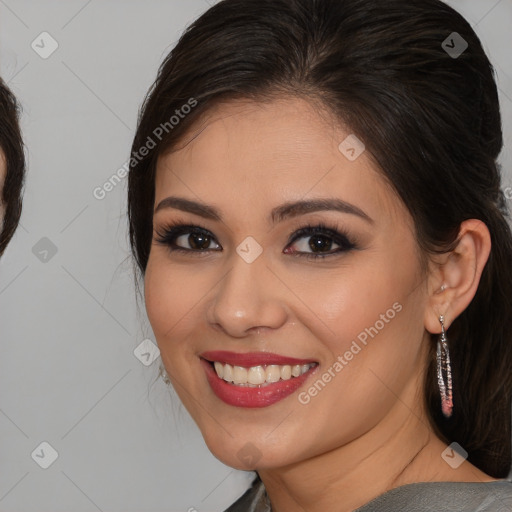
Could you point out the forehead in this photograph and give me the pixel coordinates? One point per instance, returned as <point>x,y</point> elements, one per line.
<point>286,129</point>
<point>260,154</point>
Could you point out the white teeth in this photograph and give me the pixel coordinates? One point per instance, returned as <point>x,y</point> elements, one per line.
<point>273,373</point>
<point>259,375</point>
<point>240,375</point>
<point>219,369</point>
<point>227,374</point>
<point>256,375</point>
<point>286,372</point>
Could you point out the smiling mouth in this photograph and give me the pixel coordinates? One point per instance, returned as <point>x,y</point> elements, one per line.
<point>260,375</point>
<point>256,379</point>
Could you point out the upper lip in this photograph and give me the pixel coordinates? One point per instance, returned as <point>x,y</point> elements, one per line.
<point>249,359</point>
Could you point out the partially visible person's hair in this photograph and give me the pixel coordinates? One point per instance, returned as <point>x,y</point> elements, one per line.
<point>430,121</point>
<point>11,145</point>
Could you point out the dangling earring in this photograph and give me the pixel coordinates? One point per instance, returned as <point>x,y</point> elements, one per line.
<point>444,369</point>
<point>163,373</point>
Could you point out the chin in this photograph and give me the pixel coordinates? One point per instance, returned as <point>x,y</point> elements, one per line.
<point>246,453</point>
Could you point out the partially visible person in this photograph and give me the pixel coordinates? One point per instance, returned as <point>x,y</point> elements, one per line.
<point>12,165</point>
<point>324,162</point>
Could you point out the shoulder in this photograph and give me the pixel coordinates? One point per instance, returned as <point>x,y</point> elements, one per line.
<point>445,497</point>
<point>254,500</point>
<point>418,497</point>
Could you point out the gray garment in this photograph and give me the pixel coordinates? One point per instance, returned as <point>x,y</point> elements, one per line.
<point>419,497</point>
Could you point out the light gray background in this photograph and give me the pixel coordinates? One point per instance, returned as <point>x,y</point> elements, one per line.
<point>69,320</point>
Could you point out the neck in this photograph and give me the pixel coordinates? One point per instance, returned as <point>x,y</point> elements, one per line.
<point>401,449</point>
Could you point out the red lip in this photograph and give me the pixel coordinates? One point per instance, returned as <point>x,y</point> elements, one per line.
<point>249,359</point>
<point>241,396</point>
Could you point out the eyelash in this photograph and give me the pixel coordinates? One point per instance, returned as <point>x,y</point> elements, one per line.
<point>171,231</point>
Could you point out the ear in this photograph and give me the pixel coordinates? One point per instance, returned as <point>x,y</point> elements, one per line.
<point>454,276</point>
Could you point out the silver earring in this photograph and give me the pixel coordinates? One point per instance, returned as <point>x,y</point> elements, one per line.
<point>444,372</point>
<point>163,373</point>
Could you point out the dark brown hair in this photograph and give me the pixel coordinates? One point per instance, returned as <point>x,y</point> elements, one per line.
<point>11,144</point>
<point>429,119</point>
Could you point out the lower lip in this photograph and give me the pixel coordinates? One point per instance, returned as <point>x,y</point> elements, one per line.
<point>245,396</point>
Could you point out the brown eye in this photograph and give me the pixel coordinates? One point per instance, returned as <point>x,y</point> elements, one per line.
<point>315,244</point>
<point>196,241</point>
<point>184,238</point>
<point>318,242</point>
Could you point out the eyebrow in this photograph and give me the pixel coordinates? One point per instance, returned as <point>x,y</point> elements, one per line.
<point>278,214</point>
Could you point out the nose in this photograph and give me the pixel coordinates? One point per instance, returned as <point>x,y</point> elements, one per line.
<point>248,299</point>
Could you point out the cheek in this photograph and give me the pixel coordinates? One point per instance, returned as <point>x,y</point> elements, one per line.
<point>173,297</point>
<point>341,303</point>
<point>370,327</point>
<point>379,318</point>
<point>367,317</point>
<point>164,305</point>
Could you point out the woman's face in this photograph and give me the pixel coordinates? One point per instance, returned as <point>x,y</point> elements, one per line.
<point>247,289</point>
